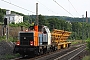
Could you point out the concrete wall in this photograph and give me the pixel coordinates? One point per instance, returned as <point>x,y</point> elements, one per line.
<point>13,31</point>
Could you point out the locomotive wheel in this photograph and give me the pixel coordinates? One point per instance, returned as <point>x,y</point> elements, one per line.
<point>41,51</point>
<point>23,55</point>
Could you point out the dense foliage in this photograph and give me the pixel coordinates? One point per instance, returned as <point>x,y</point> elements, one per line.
<point>88,44</point>
<point>79,28</point>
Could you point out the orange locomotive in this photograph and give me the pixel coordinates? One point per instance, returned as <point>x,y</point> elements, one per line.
<point>37,40</point>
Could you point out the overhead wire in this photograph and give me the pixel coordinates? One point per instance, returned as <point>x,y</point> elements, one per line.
<point>17,6</point>
<point>47,7</point>
<point>62,7</point>
<point>42,4</point>
<point>9,1</point>
<point>73,7</point>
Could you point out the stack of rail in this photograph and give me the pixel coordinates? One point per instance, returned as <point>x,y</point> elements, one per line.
<point>59,38</point>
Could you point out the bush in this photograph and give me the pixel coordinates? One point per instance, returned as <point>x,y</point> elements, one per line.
<point>88,44</point>
<point>2,38</point>
<point>12,39</point>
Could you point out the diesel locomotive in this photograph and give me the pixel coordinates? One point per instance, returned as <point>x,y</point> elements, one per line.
<point>38,40</point>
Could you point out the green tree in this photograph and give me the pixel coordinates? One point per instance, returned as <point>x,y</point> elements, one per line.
<point>88,44</point>
<point>42,20</point>
<point>1,17</point>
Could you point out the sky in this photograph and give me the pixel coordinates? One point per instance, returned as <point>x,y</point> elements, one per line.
<point>70,8</point>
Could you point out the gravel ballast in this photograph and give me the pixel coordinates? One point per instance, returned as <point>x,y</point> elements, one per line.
<point>6,50</point>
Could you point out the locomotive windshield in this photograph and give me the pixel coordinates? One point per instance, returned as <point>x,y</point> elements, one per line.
<point>25,38</point>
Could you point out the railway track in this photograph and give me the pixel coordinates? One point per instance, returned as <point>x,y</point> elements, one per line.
<point>58,55</point>
<point>63,55</point>
<point>70,55</point>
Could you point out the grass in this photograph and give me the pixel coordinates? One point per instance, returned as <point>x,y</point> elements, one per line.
<point>9,56</point>
<point>2,37</point>
<point>12,39</point>
<point>86,58</point>
<point>73,42</point>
